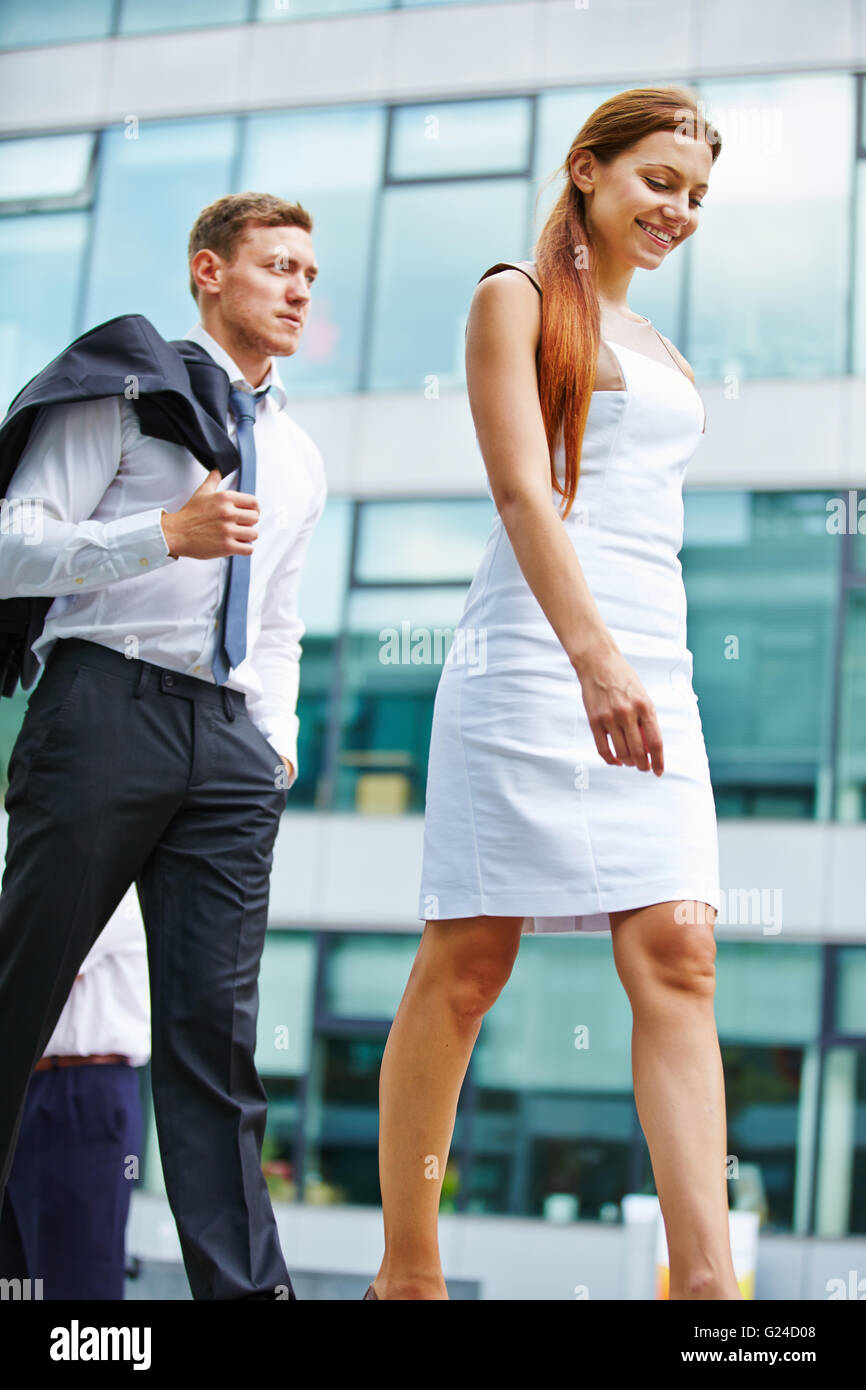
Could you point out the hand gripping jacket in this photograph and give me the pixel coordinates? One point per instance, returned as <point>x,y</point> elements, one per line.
<point>177,390</point>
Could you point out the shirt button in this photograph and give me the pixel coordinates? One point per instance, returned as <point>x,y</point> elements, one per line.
<point>79,580</point>
<point>196,668</point>
<point>142,561</point>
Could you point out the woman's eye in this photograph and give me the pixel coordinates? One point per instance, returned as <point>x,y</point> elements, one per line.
<point>653,183</point>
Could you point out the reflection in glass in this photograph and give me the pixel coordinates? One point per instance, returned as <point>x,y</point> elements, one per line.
<point>761,573</point>
<point>50,166</point>
<point>273,10</point>
<point>763,1098</point>
<point>429,542</point>
<point>163,15</point>
<point>152,189</point>
<point>434,139</point>
<point>326,568</point>
<point>41,259</point>
<point>393,655</point>
<point>774,302</point>
<point>436,242</point>
<point>858,288</point>
<point>366,974</point>
<point>330,161</point>
<point>851,990</point>
<point>851,788</point>
<point>53,21</point>
<point>840,1208</point>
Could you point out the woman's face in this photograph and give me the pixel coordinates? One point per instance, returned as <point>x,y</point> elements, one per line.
<point>658,183</point>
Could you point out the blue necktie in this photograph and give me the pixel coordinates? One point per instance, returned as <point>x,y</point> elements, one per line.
<point>231,644</point>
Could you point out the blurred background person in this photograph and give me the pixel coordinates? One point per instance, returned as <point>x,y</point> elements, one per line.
<point>64,1217</point>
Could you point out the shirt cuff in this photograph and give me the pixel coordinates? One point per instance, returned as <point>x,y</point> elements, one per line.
<point>284,741</point>
<point>144,538</point>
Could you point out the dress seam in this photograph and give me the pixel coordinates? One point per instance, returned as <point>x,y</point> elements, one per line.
<point>461,740</point>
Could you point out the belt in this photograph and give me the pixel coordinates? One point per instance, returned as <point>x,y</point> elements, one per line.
<point>97,1059</point>
<point>78,651</point>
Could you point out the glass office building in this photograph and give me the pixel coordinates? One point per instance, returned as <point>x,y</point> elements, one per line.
<point>419,176</point>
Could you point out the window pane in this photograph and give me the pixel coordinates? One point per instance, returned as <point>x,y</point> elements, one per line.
<point>851,800</point>
<point>53,21</point>
<point>45,167</point>
<point>554,1126</point>
<point>152,189</point>
<point>366,975</point>
<point>393,657</point>
<point>749,1005</point>
<point>858,293</point>
<point>460,137</point>
<point>314,9</point>
<point>761,574</point>
<point>767,1107</point>
<point>40,277</point>
<point>851,990</point>
<point>418,4</point>
<point>770,261</point>
<point>326,567</point>
<point>423,541</point>
<point>840,1208</point>
<point>330,162</point>
<point>436,243</point>
<point>562,1024</point>
<point>160,15</point>
<point>286,990</point>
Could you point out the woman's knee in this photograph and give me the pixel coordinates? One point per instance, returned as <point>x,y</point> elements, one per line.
<point>471,960</point>
<point>668,943</point>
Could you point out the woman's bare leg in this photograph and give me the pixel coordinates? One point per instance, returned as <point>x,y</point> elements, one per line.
<point>668,971</point>
<point>458,972</point>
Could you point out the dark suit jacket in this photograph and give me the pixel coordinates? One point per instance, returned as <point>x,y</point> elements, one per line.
<point>177,390</point>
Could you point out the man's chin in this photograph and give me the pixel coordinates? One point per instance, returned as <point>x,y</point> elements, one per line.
<point>281,344</point>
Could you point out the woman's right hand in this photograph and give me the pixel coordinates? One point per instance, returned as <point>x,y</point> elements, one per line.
<point>618,706</point>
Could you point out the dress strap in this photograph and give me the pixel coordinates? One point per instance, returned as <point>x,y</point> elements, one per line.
<point>514,265</point>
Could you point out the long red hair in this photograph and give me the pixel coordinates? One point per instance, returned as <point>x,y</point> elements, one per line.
<point>570,315</point>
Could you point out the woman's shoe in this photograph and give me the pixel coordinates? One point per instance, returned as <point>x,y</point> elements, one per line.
<point>371,1293</point>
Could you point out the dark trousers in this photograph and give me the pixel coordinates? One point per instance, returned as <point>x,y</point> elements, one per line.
<point>67,1199</point>
<point>124,771</point>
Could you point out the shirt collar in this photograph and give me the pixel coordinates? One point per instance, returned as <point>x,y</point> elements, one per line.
<point>199,334</point>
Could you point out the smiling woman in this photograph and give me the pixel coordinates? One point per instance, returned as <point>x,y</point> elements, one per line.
<point>533,821</point>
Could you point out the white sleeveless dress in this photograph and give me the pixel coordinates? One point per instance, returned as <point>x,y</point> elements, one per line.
<point>522,817</point>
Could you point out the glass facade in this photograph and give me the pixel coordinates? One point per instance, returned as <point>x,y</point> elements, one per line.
<point>62,21</point>
<point>547,1107</point>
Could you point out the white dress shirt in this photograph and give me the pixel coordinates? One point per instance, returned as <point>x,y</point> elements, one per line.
<point>108,1009</point>
<point>100,548</point>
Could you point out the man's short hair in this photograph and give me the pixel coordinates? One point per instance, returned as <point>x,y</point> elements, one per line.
<point>221,225</point>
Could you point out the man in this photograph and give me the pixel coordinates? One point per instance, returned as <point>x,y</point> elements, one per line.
<point>162,736</point>
<point>67,1200</point>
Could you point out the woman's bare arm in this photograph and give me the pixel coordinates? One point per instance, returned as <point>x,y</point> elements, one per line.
<point>502,337</point>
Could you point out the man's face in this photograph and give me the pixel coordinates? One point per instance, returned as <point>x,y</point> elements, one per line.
<point>263,297</point>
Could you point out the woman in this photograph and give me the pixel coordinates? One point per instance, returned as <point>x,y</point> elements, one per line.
<point>533,822</point>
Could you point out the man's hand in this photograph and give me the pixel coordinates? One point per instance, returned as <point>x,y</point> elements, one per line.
<point>290,769</point>
<point>212,523</point>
